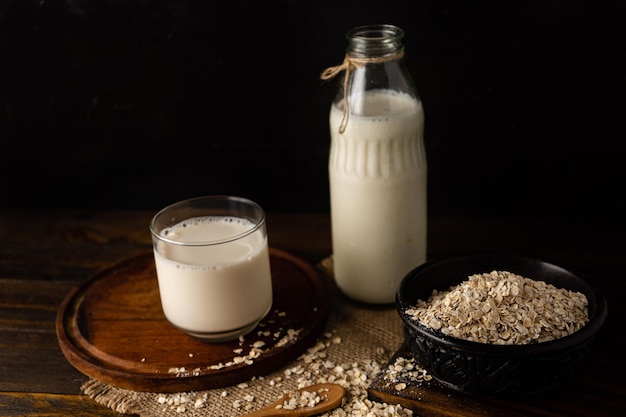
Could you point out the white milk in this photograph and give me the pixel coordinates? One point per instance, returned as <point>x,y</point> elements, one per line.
<point>214,288</point>
<point>377,172</point>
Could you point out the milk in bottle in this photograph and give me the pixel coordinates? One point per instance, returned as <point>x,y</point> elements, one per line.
<point>377,169</point>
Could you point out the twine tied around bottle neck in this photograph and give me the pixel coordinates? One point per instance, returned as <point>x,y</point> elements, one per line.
<point>349,64</point>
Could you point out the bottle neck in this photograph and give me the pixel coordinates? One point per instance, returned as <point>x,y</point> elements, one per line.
<point>374,41</point>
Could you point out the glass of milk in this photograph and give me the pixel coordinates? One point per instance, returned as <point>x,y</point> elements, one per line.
<point>213,266</point>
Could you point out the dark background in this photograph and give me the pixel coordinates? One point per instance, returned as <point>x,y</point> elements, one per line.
<point>139,103</point>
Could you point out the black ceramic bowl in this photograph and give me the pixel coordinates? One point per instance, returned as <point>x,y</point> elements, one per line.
<point>488,369</point>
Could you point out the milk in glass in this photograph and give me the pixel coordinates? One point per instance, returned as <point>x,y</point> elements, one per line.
<point>209,288</point>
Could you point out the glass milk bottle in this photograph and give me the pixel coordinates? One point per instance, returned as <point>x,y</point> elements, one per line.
<point>377,167</point>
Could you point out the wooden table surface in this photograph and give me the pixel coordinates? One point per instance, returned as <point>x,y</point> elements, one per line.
<point>45,254</point>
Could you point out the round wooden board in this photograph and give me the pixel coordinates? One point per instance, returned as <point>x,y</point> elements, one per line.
<point>112,329</point>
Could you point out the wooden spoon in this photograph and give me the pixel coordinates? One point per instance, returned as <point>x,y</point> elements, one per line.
<point>330,397</point>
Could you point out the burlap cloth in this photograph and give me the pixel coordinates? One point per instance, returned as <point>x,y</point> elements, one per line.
<point>358,342</point>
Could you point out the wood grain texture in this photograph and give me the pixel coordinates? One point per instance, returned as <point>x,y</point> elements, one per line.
<point>51,405</point>
<point>113,329</point>
<point>45,254</point>
<point>433,399</point>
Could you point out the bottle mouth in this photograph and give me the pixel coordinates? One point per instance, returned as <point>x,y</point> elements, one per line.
<point>380,40</point>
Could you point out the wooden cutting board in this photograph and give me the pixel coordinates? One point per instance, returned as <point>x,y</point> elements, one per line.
<point>112,329</point>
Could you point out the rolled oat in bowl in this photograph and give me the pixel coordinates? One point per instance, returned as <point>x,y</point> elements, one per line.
<point>503,308</point>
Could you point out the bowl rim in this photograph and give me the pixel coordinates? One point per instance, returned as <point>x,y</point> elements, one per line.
<point>596,301</point>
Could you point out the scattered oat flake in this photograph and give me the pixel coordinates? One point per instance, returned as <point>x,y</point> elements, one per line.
<point>315,365</point>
